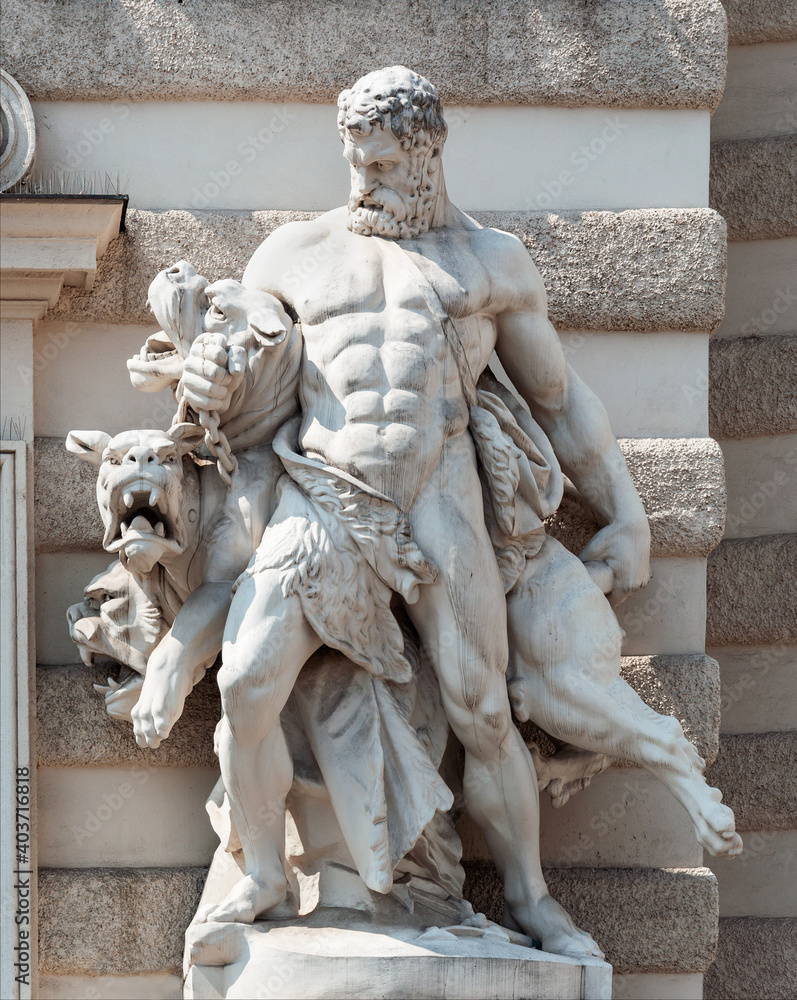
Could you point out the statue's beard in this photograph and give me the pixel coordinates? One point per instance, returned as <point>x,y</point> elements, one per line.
<point>392,214</point>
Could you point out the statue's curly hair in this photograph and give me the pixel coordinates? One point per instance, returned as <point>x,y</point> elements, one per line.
<point>394,96</point>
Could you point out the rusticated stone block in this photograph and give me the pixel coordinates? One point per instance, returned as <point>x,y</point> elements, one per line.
<point>752,387</point>
<point>752,21</point>
<point>131,921</point>
<point>752,591</point>
<point>645,919</point>
<point>753,184</point>
<point>756,957</point>
<point>680,481</point>
<point>645,269</point>
<point>67,518</point>
<point>106,921</point>
<point>686,686</point>
<point>630,53</point>
<point>74,729</point>
<point>758,779</point>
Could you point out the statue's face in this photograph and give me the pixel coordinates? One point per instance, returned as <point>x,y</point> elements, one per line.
<point>387,182</point>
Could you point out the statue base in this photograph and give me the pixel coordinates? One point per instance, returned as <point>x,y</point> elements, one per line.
<point>369,962</point>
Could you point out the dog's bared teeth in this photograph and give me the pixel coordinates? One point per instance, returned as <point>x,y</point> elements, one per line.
<point>128,498</point>
<point>159,529</point>
<point>155,495</point>
<point>86,656</point>
<point>124,527</point>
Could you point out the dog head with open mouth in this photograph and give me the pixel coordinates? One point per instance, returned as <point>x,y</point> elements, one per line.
<point>187,305</point>
<point>147,491</point>
<point>116,620</point>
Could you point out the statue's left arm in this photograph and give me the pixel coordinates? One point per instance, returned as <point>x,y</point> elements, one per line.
<point>576,424</point>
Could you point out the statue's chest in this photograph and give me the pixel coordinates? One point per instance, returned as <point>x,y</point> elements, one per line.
<point>373,278</point>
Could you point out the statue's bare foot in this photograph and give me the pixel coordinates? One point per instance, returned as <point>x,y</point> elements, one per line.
<point>715,826</point>
<point>247,900</point>
<point>546,921</point>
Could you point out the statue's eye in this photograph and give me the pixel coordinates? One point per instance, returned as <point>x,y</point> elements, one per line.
<point>113,460</point>
<point>171,458</point>
<point>384,164</point>
<point>215,312</point>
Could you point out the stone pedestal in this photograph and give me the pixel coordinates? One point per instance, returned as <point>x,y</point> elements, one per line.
<point>469,963</point>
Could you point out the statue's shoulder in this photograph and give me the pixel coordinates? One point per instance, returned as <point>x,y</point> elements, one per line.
<point>507,259</point>
<point>301,233</point>
<point>279,251</point>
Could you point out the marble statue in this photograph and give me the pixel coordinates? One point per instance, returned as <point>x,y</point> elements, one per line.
<point>350,506</point>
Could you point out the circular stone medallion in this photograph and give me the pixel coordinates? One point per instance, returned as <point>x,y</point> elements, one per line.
<point>18,141</point>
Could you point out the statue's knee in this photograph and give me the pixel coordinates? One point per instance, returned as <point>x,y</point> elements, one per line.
<point>491,728</point>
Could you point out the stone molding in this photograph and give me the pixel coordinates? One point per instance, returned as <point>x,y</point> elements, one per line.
<point>751,583</point>
<point>752,387</point>
<point>132,920</point>
<point>757,776</point>
<point>752,21</point>
<point>75,731</point>
<point>756,957</point>
<point>631,53</point>
<point>753,184</point>
<point>680,481</point>
<point>639,270</point>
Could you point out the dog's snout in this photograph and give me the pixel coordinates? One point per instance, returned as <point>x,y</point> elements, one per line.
<point>180,272</point>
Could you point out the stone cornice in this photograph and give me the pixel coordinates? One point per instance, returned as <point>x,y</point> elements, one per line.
<point>46,243</point>
<point>629,53</point>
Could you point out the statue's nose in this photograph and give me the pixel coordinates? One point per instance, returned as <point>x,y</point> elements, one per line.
<point>364,181</point>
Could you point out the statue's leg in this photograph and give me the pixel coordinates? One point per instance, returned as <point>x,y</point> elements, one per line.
<point>266,642</point>
<point>565,672</point>
<point>461,621</point>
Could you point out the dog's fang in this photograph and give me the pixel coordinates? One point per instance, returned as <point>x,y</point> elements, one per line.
<point>155,495</point>
<point>86,656</point>
<point>159,529</point>
<point>128,498</point>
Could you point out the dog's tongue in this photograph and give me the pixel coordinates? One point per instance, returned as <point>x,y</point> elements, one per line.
<point>140,523</point>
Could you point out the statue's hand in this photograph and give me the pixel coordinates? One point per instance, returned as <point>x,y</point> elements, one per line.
<point>161,703</point>
<point>211,373</point>
<point>625,549</point>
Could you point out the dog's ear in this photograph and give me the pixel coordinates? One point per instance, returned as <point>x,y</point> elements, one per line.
<point>186,436</point>
<point>267,325</point>
<point>88,445</point>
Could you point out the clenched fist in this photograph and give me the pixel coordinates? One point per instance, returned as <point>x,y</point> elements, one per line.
<point>211,373</point>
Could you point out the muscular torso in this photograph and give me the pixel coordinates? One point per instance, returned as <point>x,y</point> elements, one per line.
<point>379,387</point>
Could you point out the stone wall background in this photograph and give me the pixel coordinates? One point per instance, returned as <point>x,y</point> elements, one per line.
<point>636,279</point>
<point>752,575</point>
